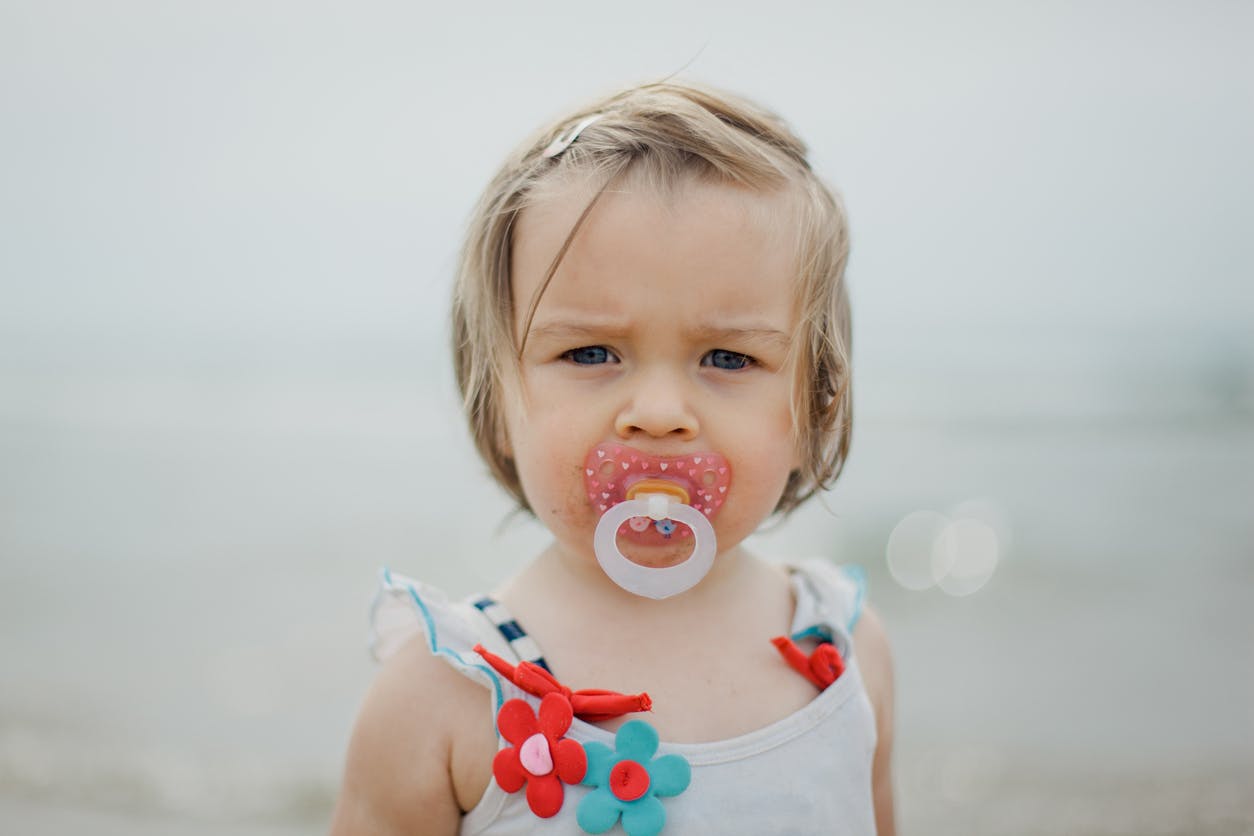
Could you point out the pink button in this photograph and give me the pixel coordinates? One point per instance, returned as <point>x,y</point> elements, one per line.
<point>535,756</point>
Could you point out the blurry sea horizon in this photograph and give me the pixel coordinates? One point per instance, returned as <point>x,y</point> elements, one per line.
<point>189,552</point>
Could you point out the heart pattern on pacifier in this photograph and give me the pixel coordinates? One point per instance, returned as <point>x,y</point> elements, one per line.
<point>612,469</point>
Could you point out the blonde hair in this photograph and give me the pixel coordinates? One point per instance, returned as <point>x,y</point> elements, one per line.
<point>665,133</point>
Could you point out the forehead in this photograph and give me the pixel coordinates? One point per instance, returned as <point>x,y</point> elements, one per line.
<point>720,248</point>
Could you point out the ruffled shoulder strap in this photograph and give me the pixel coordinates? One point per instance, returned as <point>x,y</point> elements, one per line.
<point>829,598</point>
<point>404,607</point>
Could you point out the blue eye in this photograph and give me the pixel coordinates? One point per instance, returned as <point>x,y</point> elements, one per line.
<point>729,360</point>
<point>589,355</point>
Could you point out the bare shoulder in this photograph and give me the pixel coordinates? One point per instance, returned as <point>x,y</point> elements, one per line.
<point>874,659</point>
<point>421,743</point>
<point>876,664</point>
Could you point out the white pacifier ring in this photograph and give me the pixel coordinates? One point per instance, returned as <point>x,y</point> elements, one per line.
<point>643,580</point>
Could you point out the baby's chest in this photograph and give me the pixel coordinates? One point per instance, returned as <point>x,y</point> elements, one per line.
<point>701,690</point>
<point>712,699</point>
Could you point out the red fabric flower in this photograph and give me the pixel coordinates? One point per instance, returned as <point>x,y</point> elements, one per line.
<point>822,667</point>
<point>541,757</point>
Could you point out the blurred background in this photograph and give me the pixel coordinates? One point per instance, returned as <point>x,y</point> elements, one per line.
<point>226,239</point>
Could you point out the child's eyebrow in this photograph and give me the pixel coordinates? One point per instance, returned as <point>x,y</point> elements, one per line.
<point>563,331</point>
<point>750,332</point>
<point>754,334</point>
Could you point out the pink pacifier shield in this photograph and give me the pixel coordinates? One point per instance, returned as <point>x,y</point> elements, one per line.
<point>612,469</point>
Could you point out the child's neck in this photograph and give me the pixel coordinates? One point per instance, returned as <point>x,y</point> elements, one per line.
<point>714,638</point>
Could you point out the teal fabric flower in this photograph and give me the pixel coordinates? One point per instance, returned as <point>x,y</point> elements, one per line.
<point>629,781</point>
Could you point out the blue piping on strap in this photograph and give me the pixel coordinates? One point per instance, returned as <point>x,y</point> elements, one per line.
<point>815,632</point>
<point>857,574</point>
<point>438,649</point>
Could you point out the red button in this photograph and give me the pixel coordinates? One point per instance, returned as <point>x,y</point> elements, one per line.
<point>628,780</point>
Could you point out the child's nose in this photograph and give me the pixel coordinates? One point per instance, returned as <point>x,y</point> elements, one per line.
<point>659,407</point>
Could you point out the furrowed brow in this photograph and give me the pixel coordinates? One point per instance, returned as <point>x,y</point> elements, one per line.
<point>582,331</point>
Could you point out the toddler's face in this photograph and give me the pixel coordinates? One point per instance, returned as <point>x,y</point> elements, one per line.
<point>666,328</point>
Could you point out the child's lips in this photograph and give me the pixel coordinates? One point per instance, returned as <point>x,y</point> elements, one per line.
<point>611,469</point>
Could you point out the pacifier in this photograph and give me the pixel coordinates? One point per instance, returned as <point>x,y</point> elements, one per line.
<point>653,500</point>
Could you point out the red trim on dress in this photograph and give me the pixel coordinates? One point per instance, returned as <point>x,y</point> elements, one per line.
<point>590,704</point>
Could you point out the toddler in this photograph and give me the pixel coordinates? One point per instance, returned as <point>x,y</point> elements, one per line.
<point>651,337</point>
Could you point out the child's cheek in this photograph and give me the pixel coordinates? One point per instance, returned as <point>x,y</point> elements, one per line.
<point>563,497</point>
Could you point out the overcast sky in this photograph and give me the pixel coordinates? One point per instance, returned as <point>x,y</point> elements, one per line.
<point>1030,184</point>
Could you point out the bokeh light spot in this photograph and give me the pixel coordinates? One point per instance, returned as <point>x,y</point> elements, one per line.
<point>973,553</point>
<point>910,548</point>
<point>958,551</point>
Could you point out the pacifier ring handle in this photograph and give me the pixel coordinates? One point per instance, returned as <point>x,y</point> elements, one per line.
<point>645,581</point>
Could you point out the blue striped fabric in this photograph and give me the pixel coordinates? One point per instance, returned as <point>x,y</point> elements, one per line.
<point>524,647</point>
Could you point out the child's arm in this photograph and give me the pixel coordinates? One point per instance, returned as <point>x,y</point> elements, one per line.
<point>402,773</point>
<point>875,662</point>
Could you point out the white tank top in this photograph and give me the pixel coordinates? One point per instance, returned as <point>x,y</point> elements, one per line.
<point>809,773</point>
